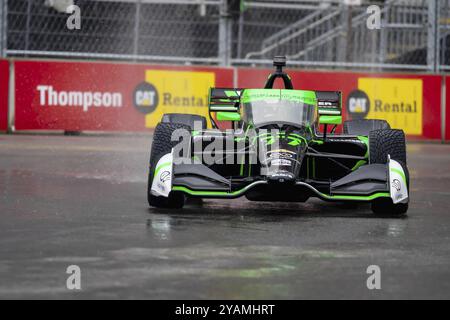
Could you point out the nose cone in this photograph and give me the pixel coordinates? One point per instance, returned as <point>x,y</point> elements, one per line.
<point>281,176</point>
<point>282,164</point>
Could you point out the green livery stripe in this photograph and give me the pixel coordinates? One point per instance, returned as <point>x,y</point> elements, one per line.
<point>223,106</point>
<point>328,119</point>
<point>230,93</point>
<point>401,173</point>
<point>294,135</point>
<point>251,95</point>
<point>218,109</point>
<point>269,138</point>
<point>359,164</point>
<point>241,191</point>
<point>228,116</point>
<point>361,198</point>
<point>295,142</point>
<point>208,193</point>
<point>366,142</point>
<point>163,165</point>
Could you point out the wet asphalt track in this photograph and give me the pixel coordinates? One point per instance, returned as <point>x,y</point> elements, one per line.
<point>82,201</point>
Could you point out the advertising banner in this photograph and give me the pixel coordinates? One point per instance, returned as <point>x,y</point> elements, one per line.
<point>179,92</point>
<point>84,96</point>
<point>4,81</point>
<point>409,102</point>
<point>447,109</point>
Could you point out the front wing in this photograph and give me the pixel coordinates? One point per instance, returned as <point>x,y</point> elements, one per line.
<point>367,183</point>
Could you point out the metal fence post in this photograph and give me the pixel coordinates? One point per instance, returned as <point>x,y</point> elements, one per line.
<point>224,34</point>
<point>342,42</point>
<point>432,36</point>
<point>240,34</point>
<point>441,34</point>
<point>3,28</point>
<point>28,23</point>
<point>349,34</point>
<point>384,34</point>
<point>137,22</point>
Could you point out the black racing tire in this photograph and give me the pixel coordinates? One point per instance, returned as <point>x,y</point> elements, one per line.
<point>362,127</point>
<point>385,206</point>
<point>163,144</point>
<point>384,142</point>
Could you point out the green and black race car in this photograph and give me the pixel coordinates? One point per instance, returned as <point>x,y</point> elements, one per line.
<point>279,148</point>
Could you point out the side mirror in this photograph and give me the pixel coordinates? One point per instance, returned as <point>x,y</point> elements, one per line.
<point>228,116</point>
<point>330,120</point>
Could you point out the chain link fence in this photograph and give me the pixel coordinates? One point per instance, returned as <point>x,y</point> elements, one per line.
<point>413,35</point>
<point>443,36</point>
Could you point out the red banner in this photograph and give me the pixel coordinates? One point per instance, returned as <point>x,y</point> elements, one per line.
<point>83,96</point>
<point>407,101</point>
<point>447,108</point>
<point>4,85</point>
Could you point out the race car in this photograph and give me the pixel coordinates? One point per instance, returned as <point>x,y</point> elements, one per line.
<point>280,145</point>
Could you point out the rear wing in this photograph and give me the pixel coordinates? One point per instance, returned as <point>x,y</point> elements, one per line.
<point>329,102</point>
<point>224,99</point>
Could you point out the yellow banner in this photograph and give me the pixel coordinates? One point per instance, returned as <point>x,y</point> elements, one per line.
<point>179,92</point>
<point>399,101</point>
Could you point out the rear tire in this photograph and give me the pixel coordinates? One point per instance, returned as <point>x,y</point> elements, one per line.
<point>363,127</point>
<point>162,145</point>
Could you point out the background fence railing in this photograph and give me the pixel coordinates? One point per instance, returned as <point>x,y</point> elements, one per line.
<point>414,34</point>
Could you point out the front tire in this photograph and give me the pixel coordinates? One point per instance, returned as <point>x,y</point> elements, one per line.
<point>162,145</point>
<point>387,142</point>
<point>385,206</point>
<point>381,144</point>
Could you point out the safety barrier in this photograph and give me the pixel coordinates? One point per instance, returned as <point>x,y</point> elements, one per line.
<point>83,96</point>
<point>4,80</point>
<point>407,101</point>
<point>86,96</point>
<point>446,110</point>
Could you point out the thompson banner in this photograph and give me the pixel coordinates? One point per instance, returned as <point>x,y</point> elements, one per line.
<point>84,96</point>
<point>407,101</point>
<point>4,85</point>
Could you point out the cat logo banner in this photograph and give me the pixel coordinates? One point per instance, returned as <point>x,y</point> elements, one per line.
<point>173,92</point>
<point>398,101</point>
